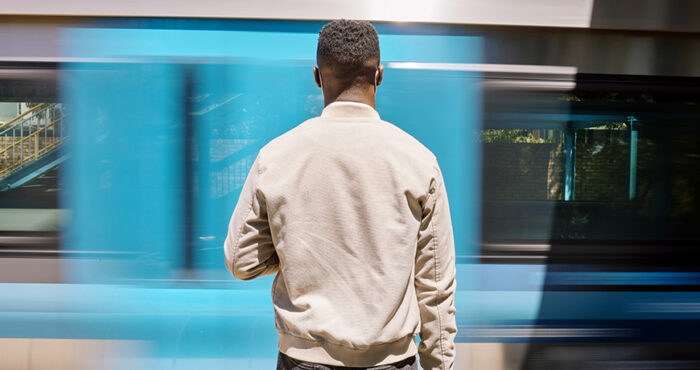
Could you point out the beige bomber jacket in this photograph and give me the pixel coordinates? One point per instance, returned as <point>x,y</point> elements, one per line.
<point>352,215</point>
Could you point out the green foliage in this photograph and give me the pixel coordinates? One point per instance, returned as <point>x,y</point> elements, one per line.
<point>510,136</point>
<point>616,126</point>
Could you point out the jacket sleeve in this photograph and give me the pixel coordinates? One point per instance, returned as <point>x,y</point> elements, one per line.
<point>435,280</point>
<point>248,249</point>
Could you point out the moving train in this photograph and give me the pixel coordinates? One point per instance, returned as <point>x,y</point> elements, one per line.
<point>568,134</point>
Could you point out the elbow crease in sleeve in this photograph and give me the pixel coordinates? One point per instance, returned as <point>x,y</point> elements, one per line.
<point>239,234</point>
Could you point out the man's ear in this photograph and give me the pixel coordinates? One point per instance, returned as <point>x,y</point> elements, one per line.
<point>380,74</point>
<point>317,76</point>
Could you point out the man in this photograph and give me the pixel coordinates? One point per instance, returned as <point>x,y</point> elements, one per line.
<point>352,214</point>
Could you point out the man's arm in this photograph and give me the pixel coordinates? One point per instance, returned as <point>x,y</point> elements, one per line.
<point>435,280</point>
<point>249,250</point>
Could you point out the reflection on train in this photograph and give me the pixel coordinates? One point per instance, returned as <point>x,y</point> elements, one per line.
<point>594,190</point>
<point>573,175</point>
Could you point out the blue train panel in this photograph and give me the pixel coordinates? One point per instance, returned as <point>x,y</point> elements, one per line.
<point>165,125</point>
<point>165,118</point>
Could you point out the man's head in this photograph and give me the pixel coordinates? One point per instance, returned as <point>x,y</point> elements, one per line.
<point>348,59</point>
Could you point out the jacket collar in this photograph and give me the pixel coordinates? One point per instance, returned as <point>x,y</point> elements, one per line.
<point>348,109</point>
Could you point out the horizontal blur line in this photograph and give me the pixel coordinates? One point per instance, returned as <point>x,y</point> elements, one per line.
<point>153,59</point>
<point>56,251</point>
<point>517,247</point>
<point>512,257</point>
<point>666,307</point>
<point>181,59</point>
<point>488,256</point>
<point>531,85</point>
<point>474,67</point>
<point>185,280</point>
<point>517,331</point>
<point>27,240</point>
<point>58,59</point>
<point>28,73</point>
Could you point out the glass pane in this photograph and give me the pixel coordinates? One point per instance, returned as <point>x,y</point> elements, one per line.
<point>602,162</point>
<point>599,174</point>
<point>522,164</point>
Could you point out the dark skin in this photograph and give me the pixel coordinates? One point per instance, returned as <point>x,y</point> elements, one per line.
<point>336,88</point>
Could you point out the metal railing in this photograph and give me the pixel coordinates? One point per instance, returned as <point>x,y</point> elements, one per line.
<point>30,136</point>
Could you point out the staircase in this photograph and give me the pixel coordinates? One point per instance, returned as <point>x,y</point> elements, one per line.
<point>29,143</point>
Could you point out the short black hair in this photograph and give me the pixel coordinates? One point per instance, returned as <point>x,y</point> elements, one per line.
<point>349,46</point>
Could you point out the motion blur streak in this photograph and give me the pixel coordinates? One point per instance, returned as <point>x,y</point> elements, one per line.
<point>506,68</point>
<point>163,128</point>
<point>571,152</point>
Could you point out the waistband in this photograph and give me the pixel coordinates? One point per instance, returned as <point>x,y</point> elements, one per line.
<point>339,355</point>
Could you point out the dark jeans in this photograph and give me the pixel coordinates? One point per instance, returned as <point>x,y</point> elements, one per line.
<point>285,362</point>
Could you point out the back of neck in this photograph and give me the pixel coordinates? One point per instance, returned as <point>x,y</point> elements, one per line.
<point>364,95</point>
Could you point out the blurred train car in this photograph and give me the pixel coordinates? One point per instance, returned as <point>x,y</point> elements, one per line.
<point>568,132</point>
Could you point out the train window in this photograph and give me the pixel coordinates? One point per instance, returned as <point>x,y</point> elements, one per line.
<point>668,179</point>
<point>601,164</point>
<point>31,134</point>
<point>522,164</point>
<point>622,163</point>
